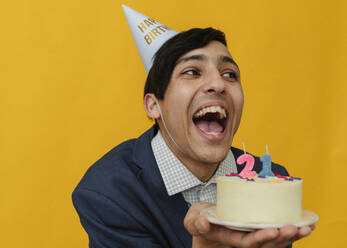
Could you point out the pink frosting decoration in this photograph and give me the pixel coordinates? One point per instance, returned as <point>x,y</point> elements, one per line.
<point>247,170</point>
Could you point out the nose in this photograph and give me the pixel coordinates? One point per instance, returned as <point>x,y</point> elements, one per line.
<point>214,84</point>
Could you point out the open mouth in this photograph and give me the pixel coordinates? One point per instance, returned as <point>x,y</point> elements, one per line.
<point>211,120</point>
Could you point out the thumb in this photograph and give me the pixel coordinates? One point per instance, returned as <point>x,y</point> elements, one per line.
<point>195,223</point>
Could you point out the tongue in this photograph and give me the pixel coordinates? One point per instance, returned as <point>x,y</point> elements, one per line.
<point>209,126</point>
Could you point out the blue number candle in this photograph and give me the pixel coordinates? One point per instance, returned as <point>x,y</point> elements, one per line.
<point>266,161</point>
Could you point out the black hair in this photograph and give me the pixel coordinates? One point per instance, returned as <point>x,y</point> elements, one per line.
<point>166,57</point>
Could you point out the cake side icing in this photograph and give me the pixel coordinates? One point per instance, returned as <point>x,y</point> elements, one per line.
<point>259,199</point>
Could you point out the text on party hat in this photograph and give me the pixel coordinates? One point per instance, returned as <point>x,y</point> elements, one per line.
<point>152,33</point>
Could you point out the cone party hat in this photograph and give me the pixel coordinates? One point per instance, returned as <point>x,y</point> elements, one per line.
<point>149,35</point>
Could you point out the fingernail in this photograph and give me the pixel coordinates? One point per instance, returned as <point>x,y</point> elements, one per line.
<point>197,225</point>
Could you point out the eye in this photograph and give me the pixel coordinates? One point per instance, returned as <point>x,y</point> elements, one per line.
<point>191,72</point>
<point>230,75</point>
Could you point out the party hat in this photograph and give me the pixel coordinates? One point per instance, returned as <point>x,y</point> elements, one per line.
<point>149,35</point>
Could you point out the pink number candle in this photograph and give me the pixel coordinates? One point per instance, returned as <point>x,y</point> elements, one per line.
<point>247,170</point>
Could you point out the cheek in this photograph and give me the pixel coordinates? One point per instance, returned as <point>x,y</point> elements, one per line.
<point>236,97</point>
<point>176,107</point>
<point>182,97</point>
<point>239,103</point>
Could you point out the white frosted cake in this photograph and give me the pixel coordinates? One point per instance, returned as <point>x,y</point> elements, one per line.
<point>259,199</point>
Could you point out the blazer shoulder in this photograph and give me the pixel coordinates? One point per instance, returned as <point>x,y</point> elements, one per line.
<point>115,166</point>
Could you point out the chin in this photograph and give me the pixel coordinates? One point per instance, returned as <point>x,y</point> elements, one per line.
<point>215,156</point>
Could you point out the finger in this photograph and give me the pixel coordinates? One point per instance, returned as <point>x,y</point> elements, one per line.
<point>303,232</point>
<point>230,237</point>
<point>249,239</point>
<point>193,216</point>
<point>226,236</point>
<point>202,225</point>
<point>286,235</point>
<point>261,236</point>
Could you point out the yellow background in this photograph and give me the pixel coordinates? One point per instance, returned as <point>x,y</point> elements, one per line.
<point>71,84</point>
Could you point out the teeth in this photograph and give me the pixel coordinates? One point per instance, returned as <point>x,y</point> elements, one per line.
<point>212,109</point>
<point>213,133</point>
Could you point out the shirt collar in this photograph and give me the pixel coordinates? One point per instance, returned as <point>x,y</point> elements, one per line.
<point>177,178</point>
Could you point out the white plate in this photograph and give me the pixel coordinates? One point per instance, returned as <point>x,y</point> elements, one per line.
<point>308,218</point>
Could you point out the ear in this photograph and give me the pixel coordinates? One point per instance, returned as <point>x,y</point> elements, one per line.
<point>151,105</point>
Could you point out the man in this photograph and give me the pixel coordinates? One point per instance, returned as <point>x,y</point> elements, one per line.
<point>148,192</point>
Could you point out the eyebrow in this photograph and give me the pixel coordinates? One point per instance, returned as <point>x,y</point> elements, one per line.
<point>227,59</point>
<point>224,59</point>
<point>193,57</point>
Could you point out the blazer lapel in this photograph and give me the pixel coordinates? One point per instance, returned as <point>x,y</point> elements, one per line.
<point>173,207</point>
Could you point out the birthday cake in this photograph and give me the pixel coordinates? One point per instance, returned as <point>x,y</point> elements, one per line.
<point>249,197</point>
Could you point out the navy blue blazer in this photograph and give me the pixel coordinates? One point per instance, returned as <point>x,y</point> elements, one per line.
<point>122,200</point>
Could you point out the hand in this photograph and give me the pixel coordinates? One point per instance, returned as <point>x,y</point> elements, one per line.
<point>206,235</point>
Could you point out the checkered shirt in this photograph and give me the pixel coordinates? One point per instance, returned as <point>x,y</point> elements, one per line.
<point>178,179</point>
